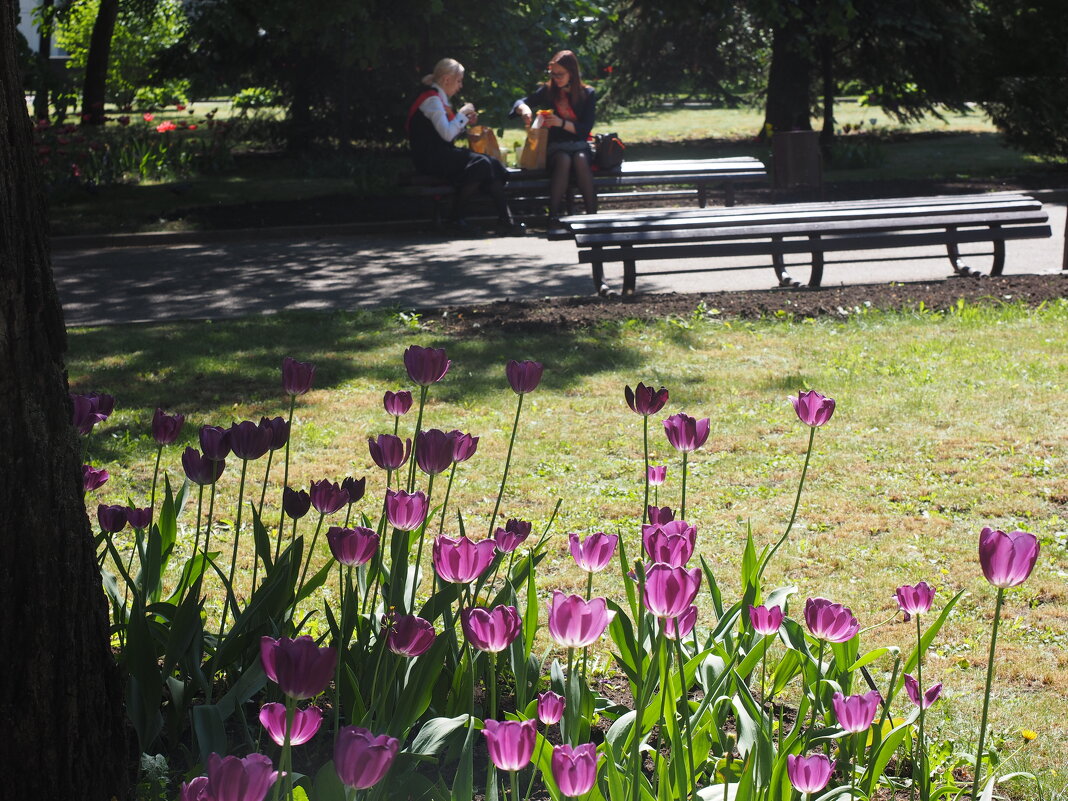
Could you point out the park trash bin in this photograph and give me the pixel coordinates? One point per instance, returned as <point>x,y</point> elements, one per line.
<point>796,160</point>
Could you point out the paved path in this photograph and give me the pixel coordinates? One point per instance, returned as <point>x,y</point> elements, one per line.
<point>263,272</point>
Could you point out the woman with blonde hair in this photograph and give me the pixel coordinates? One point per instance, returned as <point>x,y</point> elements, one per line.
<point>433,127</point>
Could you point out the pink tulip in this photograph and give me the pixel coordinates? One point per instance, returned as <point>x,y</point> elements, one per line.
<point>657,475</point>
<point>388,451</point>
<point>550,707</point>
<point>195,790</point>
<point>595,553</point>
<point>510,743</point>
<point>306,723</point>
<point>912,687</point>
<point>523,377</point>
<point>576,623</point>
<point>352,546</point>
<point>233,779</point>
<point>514,534</point>
<point>463,445</point>
<point>645,400</point>
<point>460,560</point>
<point>574,769</point>
<point>684,433</point>
<point>830,621</point>
<point>433,451</point>
<point>327,496</point>
<point>809,774</point>
<point>410,636</point>
<point>406,511</point>
<point>426,366</point>
<point>855,713</point>
<point>361,759</point>
<point>678,628</point>
<point>1007,559</point>
<point>490,630</point>
<point>671,543</point>
<point>299,667</point>
<point>93,478</point>
<point>397,403</point>
<point>765,621</point>
<point>658,515</point>
<point>813,409</point>
<point>669,591</point>
<point>915,600</point>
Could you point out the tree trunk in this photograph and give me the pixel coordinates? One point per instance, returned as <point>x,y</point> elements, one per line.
<point>96,63</point>
<point>827,70</point>
<point>61,698</point>
<point>788,106</point>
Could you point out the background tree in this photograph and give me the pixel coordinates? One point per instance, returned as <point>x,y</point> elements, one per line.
<point>61,700</point>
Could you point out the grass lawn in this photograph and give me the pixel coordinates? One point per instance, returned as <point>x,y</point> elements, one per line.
<point>945,423</point>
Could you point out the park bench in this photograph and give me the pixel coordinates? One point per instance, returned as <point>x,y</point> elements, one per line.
<point>816,229</point>
<point>691,177</point>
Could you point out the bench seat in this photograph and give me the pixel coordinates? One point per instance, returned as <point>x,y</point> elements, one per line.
<point>804,228</point>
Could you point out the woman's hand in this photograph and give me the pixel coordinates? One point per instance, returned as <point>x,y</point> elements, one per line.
<point>523,110</point>
<point>554,121</point>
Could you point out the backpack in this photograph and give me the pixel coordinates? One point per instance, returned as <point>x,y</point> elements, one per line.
<point>608,151</point>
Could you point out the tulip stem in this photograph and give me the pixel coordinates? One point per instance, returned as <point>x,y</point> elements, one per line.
<point>196,542</point>
<point>419,552</point>
<point>685,698</point>
<point>445,503</point>
<point>415,438</point>
<point>285,480</point>
<point>797,502</point>
<point>685,458</point>
<point>816,686</point>
<point>507,463</point>
<point>307,562</point>
<point>986,694</point>
<point>645,442</point>
<point>155,476</point>
<point>231,596</point>
<point>259,514</point>
<point>919,761</point>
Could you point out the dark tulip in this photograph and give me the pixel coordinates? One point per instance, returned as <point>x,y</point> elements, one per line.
<point>512,535</point>
<point>426,366</point>
<point>215,442</point>
<point>279,431</point>
<point>327,497</point>
<point>249,441</point>
<point>645,400</point>
<point>523,377</point>
<point>139,518</point>
<point>93,478</point>
<point>397,403</point>
<point>433,451</point>
<point>84,413</point>
<point>102,403</point>
<point>295,503</point>
<point>352,546</point>
<point>166,427</point>
<point>296,376</point>
<point>463,445</point>
<point>388,452</point>
<point>355,488</point>
<point>200,469</point>
<point>112,518</point>
<point>659,515</point>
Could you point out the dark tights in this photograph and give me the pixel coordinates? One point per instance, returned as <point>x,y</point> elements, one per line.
<point>495,189</point>
<point>563,165</point>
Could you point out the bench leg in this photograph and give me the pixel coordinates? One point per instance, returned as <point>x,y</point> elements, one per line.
<point>629,273</point>
<point>780,267</point>
<point>702,195</point>
<point>728,194</point>
<point>597,268</point>
<point>999,255</point>
<point>816,276</point>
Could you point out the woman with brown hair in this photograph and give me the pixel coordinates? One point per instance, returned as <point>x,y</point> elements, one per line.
<point>572,107</point>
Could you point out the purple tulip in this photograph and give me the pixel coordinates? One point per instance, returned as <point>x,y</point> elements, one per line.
<point>855,713</point>
<point>657,474</point>
<point>678,628</point>
<point>279,429</point>
<point>809,774</point>
<point>915,600</point>
<point>112,518</point>
<point>912,687</point>
<point>490,630</point>
<point>830,621</point>
<point>813,409</point>
<point>463,445</point>
<point>406,511</point>
<point>550,707</point>
<point>354,487</point>
<point>296,376</point>
<point>200,469</point>
<point>215,442</point>
<point>139,518</point>
<point>426,366</point>
<point>574,769</point>
<point>410,636</point>
<point>660,515</point>
<point>595,553</point>
<point>361,759</point>
<point>166,427</point>
<point>195,790</point>
<point>352,546</point>
<point>645,400</point>
<point>1007,559</point>
<point>306,723</point>
<point>233,779</point>
<point>765,621</point>
<point>299,667</point>
<point>397,403</point>
<point>249,441</point>
<point>388,452</point>
<point>327,496</point>
<point>669,591</point>
<point>684,433</point>
<point>93,478</point>
<point>523,377</point>
<point>460,560</point>
<point>295,503</point>
<point>88,410</point>
<point>510,743</point>
<point>514,534</point>
<point>671,543</point>
<point>576,623</point>
<point>433,451</point>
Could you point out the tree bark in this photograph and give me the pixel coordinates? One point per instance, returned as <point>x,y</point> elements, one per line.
<point>788,105</point>
<point>827,74</point>
<point>61,697</point>
<point>96,63</point>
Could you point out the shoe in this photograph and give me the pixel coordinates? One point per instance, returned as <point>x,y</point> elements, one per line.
<point>462,227</point>
<point>556,227</point>
<point>510,228</point>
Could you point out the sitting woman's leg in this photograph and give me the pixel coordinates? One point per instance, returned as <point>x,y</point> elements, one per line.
<point>584,178</point>
<point>559,170</point>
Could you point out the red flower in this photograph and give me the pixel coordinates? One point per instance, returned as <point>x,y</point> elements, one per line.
<point>180,107</point>
<point>147,117</point>
<point>166,126</point>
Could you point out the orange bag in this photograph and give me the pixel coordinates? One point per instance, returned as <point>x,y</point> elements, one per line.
<point>484,140</point>
<point>534,149</point>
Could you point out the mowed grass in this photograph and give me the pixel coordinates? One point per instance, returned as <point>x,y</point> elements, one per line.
<point>945,423</point>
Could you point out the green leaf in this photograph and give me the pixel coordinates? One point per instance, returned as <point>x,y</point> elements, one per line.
<point>328,786</point>
<point>871,656</point>
<point>434,735</point>
<point>210,731</point>
<point>261,538</point>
